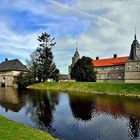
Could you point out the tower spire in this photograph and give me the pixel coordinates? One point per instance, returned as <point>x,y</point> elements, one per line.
<point>76,46</point>
<point>135,37</point>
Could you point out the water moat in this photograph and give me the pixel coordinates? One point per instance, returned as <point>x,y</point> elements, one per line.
<point>72,116</point>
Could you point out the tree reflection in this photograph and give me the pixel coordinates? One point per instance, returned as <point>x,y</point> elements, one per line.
<point>134,125</point>
<point>81,108</point>
<point>40,107</point>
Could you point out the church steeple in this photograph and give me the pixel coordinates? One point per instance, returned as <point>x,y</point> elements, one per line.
<point>135,37</point>
<point>76,54</point>
<point>75,57</point>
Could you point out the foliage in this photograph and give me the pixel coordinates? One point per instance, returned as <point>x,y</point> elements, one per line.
<point>41,65</point>
<point>41,61</point>
<point>83,70</point>
<point>10,130</point>
<point>55,75</point>
<point>23,80</point>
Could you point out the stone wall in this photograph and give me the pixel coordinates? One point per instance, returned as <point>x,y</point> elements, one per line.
<point>132,71</point>
<point>110,74</point>
<point>9,77</point>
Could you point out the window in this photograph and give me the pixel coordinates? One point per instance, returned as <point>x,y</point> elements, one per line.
<point>128,67</point>
<point>137,66</point>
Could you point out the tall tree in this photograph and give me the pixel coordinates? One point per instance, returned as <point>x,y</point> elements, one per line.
<point>83,70</point>
<point>41,61</point>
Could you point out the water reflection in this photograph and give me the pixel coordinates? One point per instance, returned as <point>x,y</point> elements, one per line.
<point>119,107</point>
<point>110,105</point>
<point>134,125</point>
<point>115,107</point>
<point>70,116</point>
<point>82,108</point>
<point>40,108</point>
<point>10,99</point>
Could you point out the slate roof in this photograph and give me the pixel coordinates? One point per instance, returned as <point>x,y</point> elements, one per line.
<point>110,62</point>
<point>76,54</point>
<point>11,65</point>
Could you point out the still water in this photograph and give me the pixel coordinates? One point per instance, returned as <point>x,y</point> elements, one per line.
<point>74,116</point>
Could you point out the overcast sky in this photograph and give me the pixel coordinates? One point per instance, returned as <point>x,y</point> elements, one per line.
<point>100,27</point>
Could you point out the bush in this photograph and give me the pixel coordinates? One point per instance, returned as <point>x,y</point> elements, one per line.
<point>23,80</point>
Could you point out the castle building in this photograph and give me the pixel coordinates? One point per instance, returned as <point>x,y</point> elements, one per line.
<point>9,69</point>
<point>132,65</point>
<point>117,69</point>
<point>120,69</point>
<point>110,69</point>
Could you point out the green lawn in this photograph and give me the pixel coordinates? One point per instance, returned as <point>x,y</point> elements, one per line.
<point>10,130</point>
<point>118,88</point>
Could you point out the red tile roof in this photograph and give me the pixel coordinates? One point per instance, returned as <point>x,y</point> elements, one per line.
<point>110,62</point>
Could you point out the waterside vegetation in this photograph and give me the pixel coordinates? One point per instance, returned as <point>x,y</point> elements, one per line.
<point>126,89</point>
<point>10,130</point>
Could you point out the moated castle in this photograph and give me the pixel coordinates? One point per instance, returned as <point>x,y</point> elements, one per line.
<point>116,69</point>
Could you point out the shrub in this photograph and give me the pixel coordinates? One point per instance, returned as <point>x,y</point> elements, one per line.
<point>23,80</point>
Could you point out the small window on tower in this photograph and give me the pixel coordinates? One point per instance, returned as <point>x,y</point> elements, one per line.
<point>128,67</point>
<point>137,66</point>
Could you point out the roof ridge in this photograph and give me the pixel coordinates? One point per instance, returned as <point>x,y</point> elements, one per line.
<point>10,60</point>
<point>111,58</point>
<point>13,59</point>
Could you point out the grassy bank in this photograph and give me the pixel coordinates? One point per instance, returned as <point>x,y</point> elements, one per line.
<point>10,130</point>
<point>111,88</point>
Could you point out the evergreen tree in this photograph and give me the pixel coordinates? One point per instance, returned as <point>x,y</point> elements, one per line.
<point>83,70</point>
<point>41,62</point>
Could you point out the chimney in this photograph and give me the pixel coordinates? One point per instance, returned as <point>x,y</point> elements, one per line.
<point>97,58</point>
<point>115,55</point>
<point>6,59</point>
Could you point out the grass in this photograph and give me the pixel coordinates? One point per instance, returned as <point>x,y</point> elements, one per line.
<point>111,88</point>
<point>10,130</point>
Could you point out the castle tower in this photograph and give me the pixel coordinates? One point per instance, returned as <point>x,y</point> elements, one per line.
<point>135,50</point>
<point>75,57</point>
<point>132,65</point>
